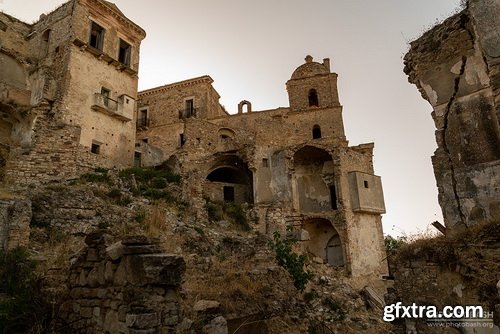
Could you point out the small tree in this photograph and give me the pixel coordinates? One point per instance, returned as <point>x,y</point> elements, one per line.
<point>288,259</point>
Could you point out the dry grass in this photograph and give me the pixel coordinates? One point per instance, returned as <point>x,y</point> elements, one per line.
<point>226,281</point>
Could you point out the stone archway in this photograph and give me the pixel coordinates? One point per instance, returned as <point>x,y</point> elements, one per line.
<point>325,241</point>
<point>313,179</point>
<point>229,180</point>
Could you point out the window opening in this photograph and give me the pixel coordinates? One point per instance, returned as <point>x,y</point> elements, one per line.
<point>228,193</point>
<point>124,53</point>
<point>95,148</point>
<point>189,108</point>
<point>96,36</point>
<point>105,95</point>
<point>265,162</point>
<point>137,159</point>
<point>333,197</point>
<point>365,184</point>
<point>313,98</point>
<point>316,132</point>
<point>182,139</point>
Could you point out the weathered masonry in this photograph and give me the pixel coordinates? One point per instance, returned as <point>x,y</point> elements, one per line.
<point>456,67</point>
<point>291,166</point>
<point>68,85</point>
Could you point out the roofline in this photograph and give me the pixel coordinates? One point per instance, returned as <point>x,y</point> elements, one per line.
<point>121,17</point>
<point>184,83</point>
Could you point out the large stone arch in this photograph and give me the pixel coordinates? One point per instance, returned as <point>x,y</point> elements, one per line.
<point>325,242</point>
<point>229,179</point>
<point>313,180</point>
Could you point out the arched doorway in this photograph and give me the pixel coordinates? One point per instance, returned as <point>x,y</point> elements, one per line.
<point>334,253</point>
<point>229,180</point>
<point>313,178</point>
<point>324,241</point>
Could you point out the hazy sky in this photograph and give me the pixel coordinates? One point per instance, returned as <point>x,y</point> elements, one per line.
<point>251,47</point>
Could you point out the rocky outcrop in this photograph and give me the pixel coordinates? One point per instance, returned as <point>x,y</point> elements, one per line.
<point>124,287</point>
<point>456,67</point>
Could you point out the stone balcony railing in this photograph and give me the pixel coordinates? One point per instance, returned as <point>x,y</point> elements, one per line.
<point>123,108</point>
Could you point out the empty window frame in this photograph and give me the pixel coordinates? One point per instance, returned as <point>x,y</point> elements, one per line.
<point>95,148</point>
<point>313,98</point>
<point>228,192</point>
<point>365,183</point>
<point>316,132</point>
<point>189,106</point>
<point>142,119</point>
<point>137,159</point>
<point>96,39</point>
<point>105,95</point>
<point>333,197</point>
<point>182,139</point>
<point>124,52</point>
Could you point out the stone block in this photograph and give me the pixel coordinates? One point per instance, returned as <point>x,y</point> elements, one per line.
<point>216,326</point>
<point>115,251</point>
<point>142,321</point>
<point>137,240</point>
<point>142,249</point>
<point>204,306</point>
<point>160,269</point>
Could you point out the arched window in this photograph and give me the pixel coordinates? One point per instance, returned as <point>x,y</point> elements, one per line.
<point>316,132</point>
<point>313,98</point>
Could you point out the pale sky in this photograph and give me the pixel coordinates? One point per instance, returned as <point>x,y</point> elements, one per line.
<point>251,47</point>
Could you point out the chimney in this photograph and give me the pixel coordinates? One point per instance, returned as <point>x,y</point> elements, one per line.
<point>326,63</point>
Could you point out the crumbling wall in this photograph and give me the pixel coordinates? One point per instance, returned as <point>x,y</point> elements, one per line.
<point>460,268</point>
<point>455,67</point>
<point>15,217</point>
<point>127,287</point>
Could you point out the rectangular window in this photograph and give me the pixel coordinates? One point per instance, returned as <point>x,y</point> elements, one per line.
<point>365,184</point>
<point>265,162</point>
<point>228,193</point>
<point>333,197</point>
<point>96,39</point>
<point>105,95</point>
<point>124,53</point>
<point>189,108</point>
<point>142,119</point>
<point>182,140</point>
<point>137,159</point>
<point>95,148</point>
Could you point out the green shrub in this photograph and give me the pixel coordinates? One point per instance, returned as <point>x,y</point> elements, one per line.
<point>289,260</point>
<point>96,177</point>
<point>22,305</point>
<point>145,175</point>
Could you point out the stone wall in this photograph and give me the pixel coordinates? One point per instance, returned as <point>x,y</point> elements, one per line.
<point>455,67</point>
<point>53,153</point>
<point>126,287</point>
<point>15,217</point>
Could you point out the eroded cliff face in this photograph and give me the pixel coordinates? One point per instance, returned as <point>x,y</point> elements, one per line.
<point>456,67</point>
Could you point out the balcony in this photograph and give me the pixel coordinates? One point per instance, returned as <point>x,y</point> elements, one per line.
<point>122,109</point>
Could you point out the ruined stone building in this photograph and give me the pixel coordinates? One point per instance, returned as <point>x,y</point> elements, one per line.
<point>68,85</point>
<point>456,67</point>
<point>291,166</point>
<point>69,103</point>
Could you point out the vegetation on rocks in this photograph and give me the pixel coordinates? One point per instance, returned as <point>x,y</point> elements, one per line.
<point>23,308</point>
<point>291,261</point>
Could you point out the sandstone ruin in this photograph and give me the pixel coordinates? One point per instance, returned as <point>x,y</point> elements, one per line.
<point>456,68</point>
<point>68,104</point>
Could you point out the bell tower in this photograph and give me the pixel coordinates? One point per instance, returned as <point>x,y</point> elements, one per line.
<point>313,86</point>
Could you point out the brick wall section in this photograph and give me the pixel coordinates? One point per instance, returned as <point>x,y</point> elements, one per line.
<point>15,217</point>
<point>54,154</point>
